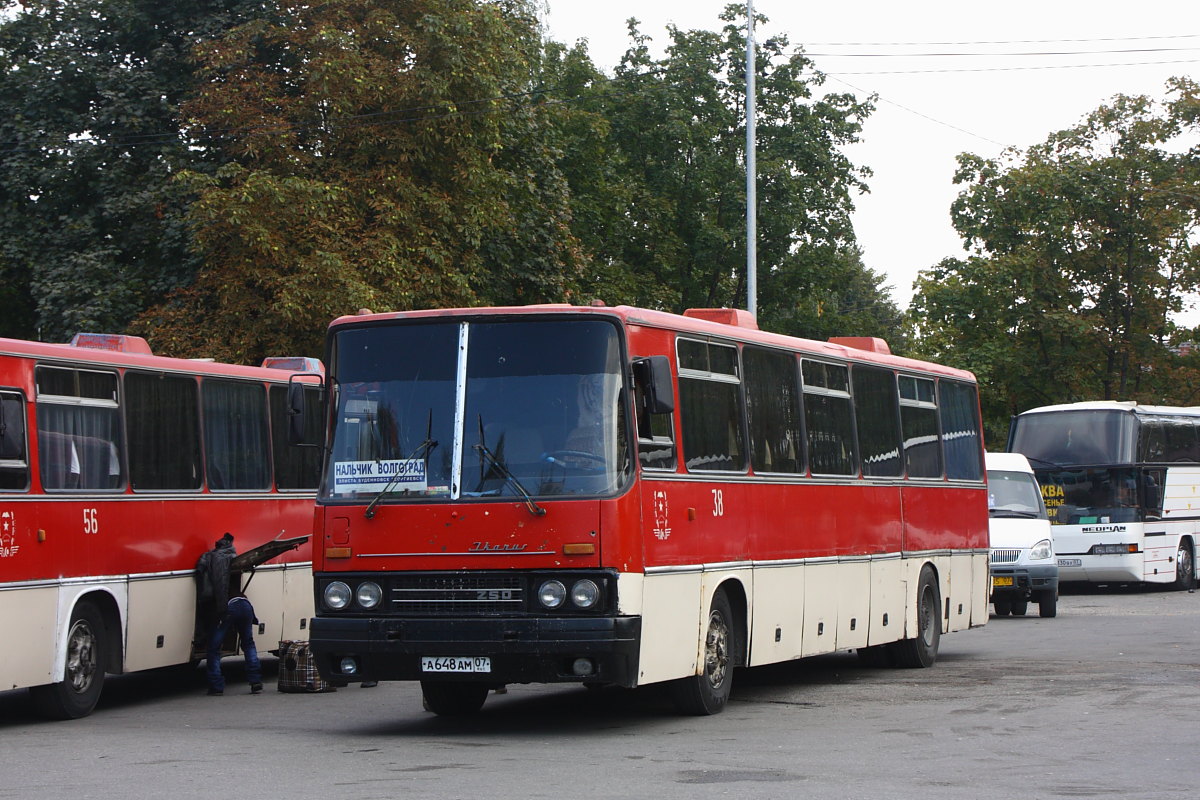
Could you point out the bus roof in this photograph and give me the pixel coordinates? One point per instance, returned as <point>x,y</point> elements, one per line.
<point>1130,406</point>
<point>71,353</point>
<point>694,321</point>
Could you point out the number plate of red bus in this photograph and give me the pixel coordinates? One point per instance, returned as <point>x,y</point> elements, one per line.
<point>456,664</point>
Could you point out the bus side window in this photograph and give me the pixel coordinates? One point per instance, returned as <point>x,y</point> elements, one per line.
<point>14,458</point>
<point>1152,492</point>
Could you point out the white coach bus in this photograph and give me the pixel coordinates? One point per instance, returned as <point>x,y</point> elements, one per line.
<point>1121,482</point>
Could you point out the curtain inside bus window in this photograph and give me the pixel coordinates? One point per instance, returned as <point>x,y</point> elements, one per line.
<point>14,460</point>
<point>961,438</point>
<point>919,423</point>
<point>163,418</point>
<point>296,467</point>
<point>828,419</point>
<point>773,411</point>
<point>79,429</point>
<point>545,398</point>
<point>710,407</point>
<point>877,411</point>
<point>235,435</point>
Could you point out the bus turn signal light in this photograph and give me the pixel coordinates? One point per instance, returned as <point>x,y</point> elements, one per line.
<point>337,552</point>
<point>579,549</point>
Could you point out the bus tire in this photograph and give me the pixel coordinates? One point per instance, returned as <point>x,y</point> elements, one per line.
<point>1019,607</point>
<point>450,699</point>
<point>83,673</point>
<point>922,649</point>
<point>1003,607</point>
<point>706,694</point>
<point>1185,566</point>
<point>1048,604</point>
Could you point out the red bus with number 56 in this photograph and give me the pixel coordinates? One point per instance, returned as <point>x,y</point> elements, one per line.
<point>612,495</point>
<point>118,468</point>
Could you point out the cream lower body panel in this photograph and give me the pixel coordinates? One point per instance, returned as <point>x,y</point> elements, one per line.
<point>798,609</point>
<point>153,615</point>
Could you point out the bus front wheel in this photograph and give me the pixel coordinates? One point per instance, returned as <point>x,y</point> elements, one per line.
<point>83,673</point>
<point>707,693</point>
<point>448,699</point>
<point>1185,566</point>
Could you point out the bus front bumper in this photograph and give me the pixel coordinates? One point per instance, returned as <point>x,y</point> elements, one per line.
<point>516,649</point>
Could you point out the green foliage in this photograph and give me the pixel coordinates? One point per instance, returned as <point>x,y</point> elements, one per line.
<point>90,220</point>
<point>387,156</point>
<point>656,169</point>
<point>1084,249</point>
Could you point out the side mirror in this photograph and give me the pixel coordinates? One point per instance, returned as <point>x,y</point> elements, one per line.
<point>653,377</point>
<point>297,410</point>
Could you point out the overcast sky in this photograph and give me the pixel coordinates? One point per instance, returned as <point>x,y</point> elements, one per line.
<point>926,114</point>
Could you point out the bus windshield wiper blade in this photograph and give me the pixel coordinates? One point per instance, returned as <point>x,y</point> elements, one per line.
<point>423,448</point>
<point>504,471</point>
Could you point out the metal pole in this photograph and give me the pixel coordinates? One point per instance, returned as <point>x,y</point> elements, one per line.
<point>751,169</point>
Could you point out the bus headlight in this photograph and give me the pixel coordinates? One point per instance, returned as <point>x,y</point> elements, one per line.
<point>551,594</point>
<point>369,594</point>
<point>1041,551</point>
<point>337,595</point>
<point>585,593</point>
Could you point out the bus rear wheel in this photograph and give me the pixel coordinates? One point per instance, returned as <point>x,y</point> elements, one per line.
<point>448,699</point>
<point>922,649</point>
<point>707,693</point>
<point>83,673</point>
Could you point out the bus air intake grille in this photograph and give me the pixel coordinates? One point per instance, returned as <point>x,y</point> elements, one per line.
<point>447,595</point>
<point>1005,556</point>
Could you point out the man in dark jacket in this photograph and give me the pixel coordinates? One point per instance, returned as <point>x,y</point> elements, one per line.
<point>225,607</point>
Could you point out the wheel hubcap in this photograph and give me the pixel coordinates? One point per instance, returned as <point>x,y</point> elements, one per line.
<point>716,650</point>
<point>928,620</point>
<point>81,657</point>
<point>1184,565</point>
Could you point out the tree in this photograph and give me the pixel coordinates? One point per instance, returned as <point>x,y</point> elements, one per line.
<point>384,153</point>
<point>656,165</point>
<point>90,219</point>
<point>1083,250</point>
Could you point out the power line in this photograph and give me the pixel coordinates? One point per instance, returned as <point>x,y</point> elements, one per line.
<point>1006,55</point>
<point>1001,41</point>
<point>1014,69</point>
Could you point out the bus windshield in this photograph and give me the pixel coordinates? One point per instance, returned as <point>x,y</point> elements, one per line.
<point>1083,437</point>
<point>1099,496</point>
<point>531,408</point>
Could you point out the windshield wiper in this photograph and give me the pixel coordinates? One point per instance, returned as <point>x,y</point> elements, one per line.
<point>423,448</point>
<point>1013,513</point>
<point>504,471</point>
<point>1046,463</point>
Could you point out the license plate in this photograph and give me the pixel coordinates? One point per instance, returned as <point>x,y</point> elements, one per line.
<point>999,581</point>
<point>456,664</point>
<point>1070,562</point>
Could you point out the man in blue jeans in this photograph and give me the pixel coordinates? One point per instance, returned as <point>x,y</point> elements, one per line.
<point>222,607</point>
<point>239,616</point>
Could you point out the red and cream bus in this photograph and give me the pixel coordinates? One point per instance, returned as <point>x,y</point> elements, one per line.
<point>119,468</point>
<point>599,495</point>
